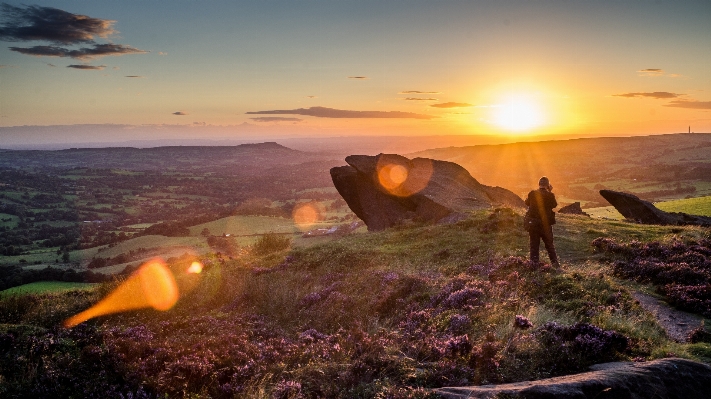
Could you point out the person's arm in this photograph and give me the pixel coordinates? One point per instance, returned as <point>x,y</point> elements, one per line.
<point>553,202</point>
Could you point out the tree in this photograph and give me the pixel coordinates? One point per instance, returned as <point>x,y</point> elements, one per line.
<point>65,257</point>
<point>205,232</point>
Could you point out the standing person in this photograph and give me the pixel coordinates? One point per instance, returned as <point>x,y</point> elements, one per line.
<point>540,220</point>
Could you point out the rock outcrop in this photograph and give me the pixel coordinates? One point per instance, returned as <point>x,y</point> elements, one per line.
<point>389,189</point>
<point>573,209</point>
<point>633,208</point>
<point>665,378</point>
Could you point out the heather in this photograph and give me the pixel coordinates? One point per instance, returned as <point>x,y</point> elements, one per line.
<point>680,270</point>
<point>379,315</point>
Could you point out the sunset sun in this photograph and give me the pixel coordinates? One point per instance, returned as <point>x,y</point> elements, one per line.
<point>518,114</point>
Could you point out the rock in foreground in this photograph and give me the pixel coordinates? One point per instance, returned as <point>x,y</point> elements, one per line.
<point>388,189</point>
<point>633,208</point>
<point>665,378</point>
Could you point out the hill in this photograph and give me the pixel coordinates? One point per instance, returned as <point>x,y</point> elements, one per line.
<point>387,314</point>
<point>654,168</point>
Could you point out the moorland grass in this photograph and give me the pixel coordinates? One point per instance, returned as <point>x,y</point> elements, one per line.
<point>386,314</point>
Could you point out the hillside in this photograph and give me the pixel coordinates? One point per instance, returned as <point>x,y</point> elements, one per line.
<point>654,168</point>
<point>386,314</point>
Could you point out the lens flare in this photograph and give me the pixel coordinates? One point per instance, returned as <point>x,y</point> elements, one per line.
<point>392,176</point>
<point>306,215</point>
<point>195,268</point>
<point>152,285</point>
<point>403,177</point>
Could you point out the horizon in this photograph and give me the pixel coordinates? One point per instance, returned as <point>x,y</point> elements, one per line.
<point>244,72</point>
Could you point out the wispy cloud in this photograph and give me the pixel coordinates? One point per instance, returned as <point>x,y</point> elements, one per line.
<point>52,25</point>
<point>419,99</point>
<point>84,53</point>
<point>650,72</point>
<point>689,104</point>
<point>51,65</point>
<point>180,113</point>
<point>88,67</point>
<point>655,73</point>
<point>310,96</point>
<point>418,92</point>
<point>655,94</point>
<point>358,77</point>
<point>323,112</point>
<point>276,119</point>
<point>135,76</point>
<point>162,53</point>
<point>451,105</point>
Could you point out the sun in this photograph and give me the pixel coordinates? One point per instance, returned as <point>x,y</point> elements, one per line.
<point>518,114</point>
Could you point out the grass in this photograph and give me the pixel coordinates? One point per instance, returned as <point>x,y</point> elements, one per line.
<point>43,287</point>
<point>364,315</point>
<point>693,206</point>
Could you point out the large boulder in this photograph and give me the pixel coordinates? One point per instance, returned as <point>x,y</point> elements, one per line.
<point>633,208</point>
<point>665,378</point>
<point>388,189</point>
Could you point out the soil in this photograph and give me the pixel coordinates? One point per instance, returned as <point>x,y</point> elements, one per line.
<point>676,323</point>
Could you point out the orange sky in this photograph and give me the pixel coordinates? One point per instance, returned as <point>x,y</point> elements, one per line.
<point>343,68</point>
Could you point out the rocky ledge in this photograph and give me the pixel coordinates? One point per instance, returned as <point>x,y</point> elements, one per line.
<point>641,211</point>
<point>665,378</point>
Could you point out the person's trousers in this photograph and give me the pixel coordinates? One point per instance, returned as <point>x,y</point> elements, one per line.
<point>535,236</point>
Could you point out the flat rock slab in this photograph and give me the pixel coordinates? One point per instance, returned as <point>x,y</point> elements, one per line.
<point>663,379</point>
<point>676,323</point>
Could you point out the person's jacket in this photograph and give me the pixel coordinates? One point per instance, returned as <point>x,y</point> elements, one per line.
<point>540,206</point>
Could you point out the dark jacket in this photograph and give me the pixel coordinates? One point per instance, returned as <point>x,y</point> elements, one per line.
<point>540,206</point>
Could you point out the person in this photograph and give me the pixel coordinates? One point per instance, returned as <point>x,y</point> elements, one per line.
<point>541,219</point>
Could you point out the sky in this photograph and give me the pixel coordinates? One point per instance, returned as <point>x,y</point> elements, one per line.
<point>224,69</point>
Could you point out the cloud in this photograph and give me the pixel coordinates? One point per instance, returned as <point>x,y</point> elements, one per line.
<point>357,77</point>
<point>689,104</point>
<point>52,65</point>
<point>87,67</point>
<point>84,53</point>
<point>162,53</point>
<point>52,25</point>
<point>135,76</point>
<point>656,94</point>
<point>323,112</point>
<point>419,99</point>
<point>310,96</point>
<point>418,92</point>
<point>451,105</point>
<point>180,113</point>
<point>276,119</point>
<point>650,72</point>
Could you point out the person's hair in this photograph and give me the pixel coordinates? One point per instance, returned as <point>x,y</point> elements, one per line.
<point>543,182</point>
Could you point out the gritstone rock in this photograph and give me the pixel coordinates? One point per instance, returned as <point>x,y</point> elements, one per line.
<point>665,378</point>
<point>389,189</point>
<point>633,208</point>
<point>573,209</point>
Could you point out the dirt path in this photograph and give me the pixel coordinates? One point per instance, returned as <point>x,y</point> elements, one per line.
<point>676,323</point>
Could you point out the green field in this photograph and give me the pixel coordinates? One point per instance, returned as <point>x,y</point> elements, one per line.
<point>693,206</point>
<point>43,287</point>
<point>246,225</point>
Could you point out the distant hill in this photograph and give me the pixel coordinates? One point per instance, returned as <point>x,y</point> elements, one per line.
<point>262,155</point>
<point>653,167</point>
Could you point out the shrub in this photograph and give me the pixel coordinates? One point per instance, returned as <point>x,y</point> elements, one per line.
<point>270,243</point>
